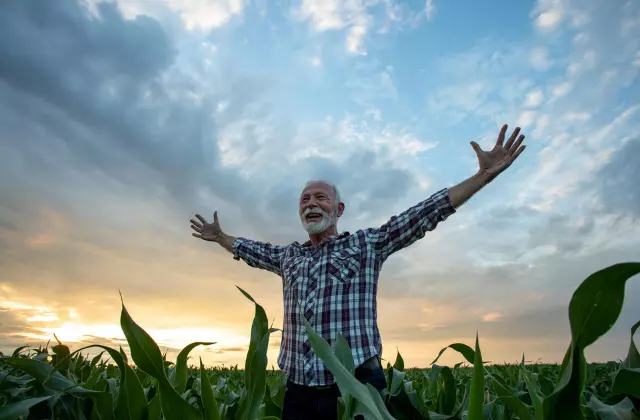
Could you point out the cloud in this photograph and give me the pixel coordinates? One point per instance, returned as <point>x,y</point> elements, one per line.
<point>539,59</point>
<point>357,18</point>
<point>534,98</point>
<point>118,126</point>
<point>618,180</point>
<point>491,317</point>
<point>335,15</point>
<point>549,20</point>
<point>202,15</point>
<point>430,9</point>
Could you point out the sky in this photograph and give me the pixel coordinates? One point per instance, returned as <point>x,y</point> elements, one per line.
<point>120,120</point>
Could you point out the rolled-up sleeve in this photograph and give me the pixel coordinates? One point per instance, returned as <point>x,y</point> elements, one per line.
<point>411,225</point>
<point>257,254</point>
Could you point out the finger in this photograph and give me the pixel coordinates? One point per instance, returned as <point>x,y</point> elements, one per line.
<point>215,218</point>
<point>503,131</point>
<point>517,153</point>
<point>476,147</point>
<point>195,222</point>
<point>196,228</point>
<point>517,144</point>
<point>197,235</point>
<point>512,138</point>
<point>202,219</point>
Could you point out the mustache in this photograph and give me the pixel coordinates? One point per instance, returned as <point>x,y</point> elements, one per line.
<point>315,210</point>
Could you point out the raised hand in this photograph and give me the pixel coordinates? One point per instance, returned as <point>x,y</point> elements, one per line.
<point>496,160</point>
<point>207,231</point>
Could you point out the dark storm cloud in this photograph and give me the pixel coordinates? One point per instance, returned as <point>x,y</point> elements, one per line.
<point>98,95</point>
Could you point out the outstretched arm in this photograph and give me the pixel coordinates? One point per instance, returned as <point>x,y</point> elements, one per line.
<point>491,164</point>
<point>256,254</point>
<point>404,229</point>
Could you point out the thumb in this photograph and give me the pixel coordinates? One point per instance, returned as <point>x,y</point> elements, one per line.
<point>215,218</point>
<point>476,147</point>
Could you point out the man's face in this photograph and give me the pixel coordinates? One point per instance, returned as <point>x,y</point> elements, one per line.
<point>318,209</point>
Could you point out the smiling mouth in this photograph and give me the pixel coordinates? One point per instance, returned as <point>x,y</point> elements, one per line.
<point>314,217</point>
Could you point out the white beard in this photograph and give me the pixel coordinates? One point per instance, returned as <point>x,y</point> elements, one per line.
<point>314,228</point>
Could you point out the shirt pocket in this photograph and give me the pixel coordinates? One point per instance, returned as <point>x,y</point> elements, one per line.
<point>344,264</point>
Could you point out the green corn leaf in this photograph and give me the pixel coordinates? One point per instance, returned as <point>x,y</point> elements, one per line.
<point>399,363</point>
<point>632,361</point>
<point>476,395</point>
<point>259,328</point>
<point>20,409</point>
<point>256,362</point>
<point>447,396</point>
<point>250,405</point>
<point>621,411</point>
<point>365,403</point>
<point>209,403</point>
<point>271,408</point>
<point>179,377</point>
<point>155,409</point>
<point>597,302</point>
<point>536,398</point>
<point>146,355</point>
<point>564,403</point>
<point>343,353</point>
<point>45,376</point>
<point>463,349</point>
<point>627,382</point>
<point>131,403</point>
<point>511,401</point>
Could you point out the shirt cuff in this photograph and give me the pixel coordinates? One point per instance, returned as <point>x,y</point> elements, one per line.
<point>236,244</point>
<point>443,202</point>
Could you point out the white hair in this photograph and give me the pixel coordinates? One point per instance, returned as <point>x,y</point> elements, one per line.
<point>336,191</point>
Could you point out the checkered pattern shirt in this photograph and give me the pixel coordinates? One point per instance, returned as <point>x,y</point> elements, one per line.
<point>336,283</point>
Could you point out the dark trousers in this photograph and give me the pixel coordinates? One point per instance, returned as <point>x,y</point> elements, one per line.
<point>311,403</point>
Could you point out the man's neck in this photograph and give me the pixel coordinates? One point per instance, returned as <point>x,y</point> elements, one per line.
<point>317,239</point>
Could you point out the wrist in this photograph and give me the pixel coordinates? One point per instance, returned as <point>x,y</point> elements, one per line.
<point>483,178</point>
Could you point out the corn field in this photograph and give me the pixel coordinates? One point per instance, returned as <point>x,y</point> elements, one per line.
<point>56,383</point>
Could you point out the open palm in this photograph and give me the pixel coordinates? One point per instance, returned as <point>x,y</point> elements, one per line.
<point>496,160</point>
<point>205,230</point>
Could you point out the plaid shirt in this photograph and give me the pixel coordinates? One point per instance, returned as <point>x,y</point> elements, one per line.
<point>336,284</point>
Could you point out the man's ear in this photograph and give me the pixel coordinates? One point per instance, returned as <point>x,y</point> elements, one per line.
<point>340,209</point>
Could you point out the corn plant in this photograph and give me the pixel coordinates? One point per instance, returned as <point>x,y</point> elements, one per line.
<point>56,383</point>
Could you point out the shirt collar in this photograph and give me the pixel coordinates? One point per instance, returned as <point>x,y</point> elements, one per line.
<point>331,238</point>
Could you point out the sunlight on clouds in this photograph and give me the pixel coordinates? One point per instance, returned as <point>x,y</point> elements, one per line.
<point>355,39</point>
<point>549,20</point>
<point>548,14</point>
<point>491,317</point>
<point>72,332</point>
<point>325,15</point>
<point>195,14</point>
<point>43,318</point>
<point>331,15</point>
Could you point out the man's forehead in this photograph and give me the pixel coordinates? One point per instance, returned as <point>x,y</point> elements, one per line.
<point>316,187</point>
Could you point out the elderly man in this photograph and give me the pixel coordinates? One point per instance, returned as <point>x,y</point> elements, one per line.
<point>334,277</point>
